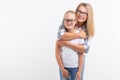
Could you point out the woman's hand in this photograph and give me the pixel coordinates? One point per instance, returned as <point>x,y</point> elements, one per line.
<point>83,34</point>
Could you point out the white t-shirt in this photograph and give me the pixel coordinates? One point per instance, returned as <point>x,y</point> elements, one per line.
<point>69,56</point>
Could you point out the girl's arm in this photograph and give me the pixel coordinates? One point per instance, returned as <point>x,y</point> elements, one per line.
<point>81,60</point>
<point>59,61</point>
<point>58,58</point>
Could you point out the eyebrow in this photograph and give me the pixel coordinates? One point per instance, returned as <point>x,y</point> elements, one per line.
<point>81,11</point>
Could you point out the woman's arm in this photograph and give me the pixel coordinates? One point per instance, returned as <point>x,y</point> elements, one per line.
<point>77,47</point>
<point>70,36</point>
<point>63,35</point>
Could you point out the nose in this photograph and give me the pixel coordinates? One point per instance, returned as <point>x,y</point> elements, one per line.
<point>69,22</point>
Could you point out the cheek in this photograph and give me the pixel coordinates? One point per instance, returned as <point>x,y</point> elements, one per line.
<point>65,24</point>
<point>85,18</point>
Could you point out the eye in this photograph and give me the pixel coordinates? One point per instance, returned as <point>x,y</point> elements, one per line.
<point>81,12</point>
<point>69,20</point>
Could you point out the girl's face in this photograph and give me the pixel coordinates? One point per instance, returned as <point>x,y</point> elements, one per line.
<point>81,14</point>
<point>69,20</point>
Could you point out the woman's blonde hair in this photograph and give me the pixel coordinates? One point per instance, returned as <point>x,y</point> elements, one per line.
<point>90,21</point>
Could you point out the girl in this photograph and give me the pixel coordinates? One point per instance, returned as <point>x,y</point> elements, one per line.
<point>69,61</point>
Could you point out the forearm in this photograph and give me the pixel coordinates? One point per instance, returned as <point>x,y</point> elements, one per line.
<point>58,58</point>
<point>77,47</point>
<point>81,60</point>
<point>70,36</point>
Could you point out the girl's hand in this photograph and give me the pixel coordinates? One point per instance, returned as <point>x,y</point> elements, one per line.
<point>78,76</point>
<point>65,73</point>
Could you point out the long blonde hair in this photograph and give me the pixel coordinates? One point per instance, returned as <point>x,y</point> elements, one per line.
<point>90,21</point>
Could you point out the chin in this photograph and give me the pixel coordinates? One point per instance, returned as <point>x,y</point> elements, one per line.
<point>81,20</point>
<point>69,27</point>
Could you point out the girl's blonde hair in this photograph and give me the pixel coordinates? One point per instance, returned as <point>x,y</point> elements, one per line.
<point>69,11</point>
<point>90,21</point>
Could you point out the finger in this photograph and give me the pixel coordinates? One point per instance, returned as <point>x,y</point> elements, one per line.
<point>67,75</point>
<point>77,77</point>
<point>57,44</point>
<point>64,76</point>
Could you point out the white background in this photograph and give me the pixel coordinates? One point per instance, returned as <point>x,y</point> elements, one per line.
<point>28,30</point>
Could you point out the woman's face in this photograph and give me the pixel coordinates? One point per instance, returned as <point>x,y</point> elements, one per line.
<point>81,14</point>
<point>69,20</point>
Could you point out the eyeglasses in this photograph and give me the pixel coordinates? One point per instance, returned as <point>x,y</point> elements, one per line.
<point>82,13</point>
<point>69,20</point>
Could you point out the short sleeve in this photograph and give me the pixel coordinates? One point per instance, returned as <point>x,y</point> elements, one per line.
<point>86,45</point>
<point>61,31</point>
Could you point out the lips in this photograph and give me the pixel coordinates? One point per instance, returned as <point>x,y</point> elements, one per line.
<point>79,18</point>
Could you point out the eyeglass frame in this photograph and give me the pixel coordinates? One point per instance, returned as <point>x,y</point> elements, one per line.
<point>69,20</point>
<point>81,12</point>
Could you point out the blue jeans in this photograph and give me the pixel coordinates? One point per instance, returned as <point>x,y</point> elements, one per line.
<point>72,72</point>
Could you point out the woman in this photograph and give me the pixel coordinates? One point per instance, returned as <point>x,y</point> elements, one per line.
<point>84,14</point>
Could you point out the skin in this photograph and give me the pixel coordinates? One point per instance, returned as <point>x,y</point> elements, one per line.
<point>81,18</point>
